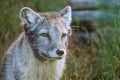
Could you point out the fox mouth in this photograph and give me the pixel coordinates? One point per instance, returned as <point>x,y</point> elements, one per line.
<point>45,56</point>
<point>52,58</point>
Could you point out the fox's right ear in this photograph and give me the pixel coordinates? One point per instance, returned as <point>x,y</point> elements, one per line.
<point>28,17</point>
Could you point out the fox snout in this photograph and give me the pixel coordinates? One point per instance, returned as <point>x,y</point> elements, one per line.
<point>59,52</point>
<point>56,53</point>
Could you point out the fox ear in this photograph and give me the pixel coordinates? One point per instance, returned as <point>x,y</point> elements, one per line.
<point>28,16</point>
<point>66,14</point>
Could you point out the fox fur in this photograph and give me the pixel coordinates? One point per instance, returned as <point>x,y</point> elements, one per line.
<point>39,53</point>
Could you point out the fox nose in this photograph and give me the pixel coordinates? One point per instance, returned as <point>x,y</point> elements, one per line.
<point>60,52</point>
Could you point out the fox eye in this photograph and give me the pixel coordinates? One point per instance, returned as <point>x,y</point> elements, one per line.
<point>44,34</point>
<point>64,35</point>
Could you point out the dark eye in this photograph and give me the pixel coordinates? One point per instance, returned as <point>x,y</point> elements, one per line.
<point>44,34</point>
<point>64,35</point>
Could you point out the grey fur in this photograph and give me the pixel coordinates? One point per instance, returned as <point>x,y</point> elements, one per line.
<point>33,56</point>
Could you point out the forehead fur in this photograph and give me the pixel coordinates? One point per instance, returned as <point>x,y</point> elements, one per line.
<point>50,15</point>
<point>52,18</point>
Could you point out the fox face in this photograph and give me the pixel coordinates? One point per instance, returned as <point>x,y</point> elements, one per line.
<point>47,33</point>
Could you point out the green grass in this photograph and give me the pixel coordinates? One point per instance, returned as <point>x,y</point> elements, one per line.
<point>102,64</point>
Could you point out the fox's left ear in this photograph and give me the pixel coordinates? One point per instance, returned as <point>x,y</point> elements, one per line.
<point>66,14</point>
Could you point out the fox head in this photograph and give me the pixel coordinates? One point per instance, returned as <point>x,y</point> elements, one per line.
<point>47,33</point>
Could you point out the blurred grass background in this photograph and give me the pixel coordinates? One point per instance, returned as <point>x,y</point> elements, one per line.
<point>102,64</point>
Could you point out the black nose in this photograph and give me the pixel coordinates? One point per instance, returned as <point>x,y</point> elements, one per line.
<point>60,52</point>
